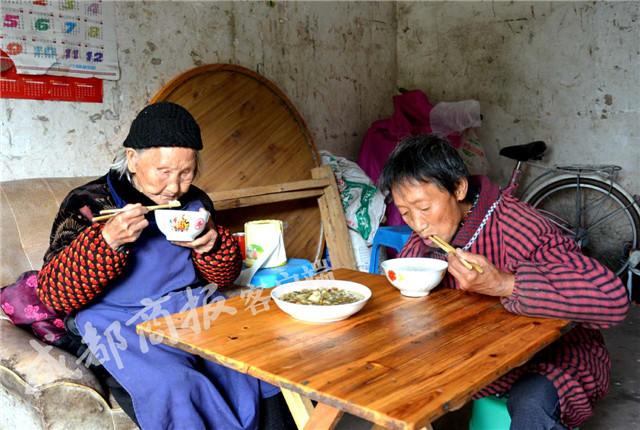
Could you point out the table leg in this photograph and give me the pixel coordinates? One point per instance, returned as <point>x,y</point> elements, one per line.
<point>324,417</point>
<point>307,417</point>
<point>300,407</point>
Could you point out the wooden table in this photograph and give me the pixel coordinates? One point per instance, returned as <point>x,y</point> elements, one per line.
<point>400,362</point>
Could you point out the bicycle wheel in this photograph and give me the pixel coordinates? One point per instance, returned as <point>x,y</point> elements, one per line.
<point>604,220</point>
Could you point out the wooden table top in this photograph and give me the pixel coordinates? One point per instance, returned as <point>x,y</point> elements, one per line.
<point>400,362</point>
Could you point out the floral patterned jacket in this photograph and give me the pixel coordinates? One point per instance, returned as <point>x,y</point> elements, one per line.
<point>79,265</point>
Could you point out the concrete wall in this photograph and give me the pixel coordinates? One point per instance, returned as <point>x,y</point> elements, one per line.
<point>567,73</point>
<point>335,61</point>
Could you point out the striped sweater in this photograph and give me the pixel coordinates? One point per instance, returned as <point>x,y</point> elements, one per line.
<point>552,279</point>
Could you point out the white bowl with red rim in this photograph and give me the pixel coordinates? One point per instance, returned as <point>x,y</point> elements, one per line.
<point>414,277</point>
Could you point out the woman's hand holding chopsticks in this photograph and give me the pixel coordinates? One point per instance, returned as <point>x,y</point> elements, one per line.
<point>126,226</point>
<point>106,214</point>
<point>444,245</point>
<point>491,281</point>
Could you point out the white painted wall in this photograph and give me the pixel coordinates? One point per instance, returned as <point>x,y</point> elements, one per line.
<point>335,61</point>
<point>564,72</point>
<point>568,73</point>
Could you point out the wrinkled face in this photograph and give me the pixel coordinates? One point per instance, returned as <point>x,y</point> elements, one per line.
<point>162,174</point>
<point>429,209</point>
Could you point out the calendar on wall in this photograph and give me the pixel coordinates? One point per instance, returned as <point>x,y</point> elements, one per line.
<point>46,87</point>
<point>60,37</point>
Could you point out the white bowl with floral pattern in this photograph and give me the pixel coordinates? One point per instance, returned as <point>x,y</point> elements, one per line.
<point>181,226</point>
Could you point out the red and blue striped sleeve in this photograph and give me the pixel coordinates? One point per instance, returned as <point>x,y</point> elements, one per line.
<point>413,247</point>
<point>552,277</point>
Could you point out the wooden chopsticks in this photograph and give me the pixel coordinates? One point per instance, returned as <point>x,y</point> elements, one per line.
<point>103,217</point>
<point>110,213</point>
<point>451,250</point>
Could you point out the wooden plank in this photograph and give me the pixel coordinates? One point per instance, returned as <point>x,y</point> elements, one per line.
<point>308,184</point>
<point>241,202</point>
<point>253,136</point>
<point>336,232</point>
<point>324,417</point>
<point>300,407</point>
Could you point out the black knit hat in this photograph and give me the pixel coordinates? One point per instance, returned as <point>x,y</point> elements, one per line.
<point>164,124</point>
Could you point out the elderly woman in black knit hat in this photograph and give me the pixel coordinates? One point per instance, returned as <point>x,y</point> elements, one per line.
<point>111,276</point>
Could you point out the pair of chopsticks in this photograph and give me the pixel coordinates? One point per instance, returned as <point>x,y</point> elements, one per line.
<point>451,250</point>
<point>110,213</point>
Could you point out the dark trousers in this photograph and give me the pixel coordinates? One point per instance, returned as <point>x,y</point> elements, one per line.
<point>534,405</point>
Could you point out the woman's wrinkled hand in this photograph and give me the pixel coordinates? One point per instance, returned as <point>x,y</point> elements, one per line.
<point>205,242</point>
<point>492,282</point>
<point>126,227</point>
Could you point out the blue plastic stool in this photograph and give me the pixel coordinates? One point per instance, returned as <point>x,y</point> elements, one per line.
<point>394,236</point>
<point>490,413</point>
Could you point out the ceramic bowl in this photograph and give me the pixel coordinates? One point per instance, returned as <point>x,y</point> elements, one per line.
<point>181,226</point>
<point>414,277</point>
<point>320,313</point>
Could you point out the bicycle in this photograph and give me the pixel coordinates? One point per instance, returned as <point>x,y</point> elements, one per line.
<point>584,201</point>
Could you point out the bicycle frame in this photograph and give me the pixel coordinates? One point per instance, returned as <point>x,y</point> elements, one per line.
<point>579,179</point>
<point>516,174</point>
<point>608,173</point>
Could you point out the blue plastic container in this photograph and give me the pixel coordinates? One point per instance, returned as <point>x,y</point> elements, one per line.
<point>295,270</point>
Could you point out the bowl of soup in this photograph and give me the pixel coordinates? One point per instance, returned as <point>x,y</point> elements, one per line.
<point>181,226</point>
<point>414,277</point>
<point>321,300</point>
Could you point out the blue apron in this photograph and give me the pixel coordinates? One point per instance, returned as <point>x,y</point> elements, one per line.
<point>170,388</point>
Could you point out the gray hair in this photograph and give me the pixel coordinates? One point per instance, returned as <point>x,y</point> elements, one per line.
<point>121,167</point>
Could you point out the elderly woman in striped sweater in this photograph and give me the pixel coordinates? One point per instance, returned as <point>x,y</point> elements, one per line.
<point>527,262</point>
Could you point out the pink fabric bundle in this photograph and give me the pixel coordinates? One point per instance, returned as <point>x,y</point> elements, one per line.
<point>21,304</point>
<point>410,117</point>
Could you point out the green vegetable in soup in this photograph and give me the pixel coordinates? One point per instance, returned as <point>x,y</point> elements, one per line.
<point>321,296</point>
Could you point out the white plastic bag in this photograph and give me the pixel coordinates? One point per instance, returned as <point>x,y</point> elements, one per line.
<point>473,154</point>
<point>362,202</point>
<point>462,118</point>
<point>454,117</point>
<point>361,250</point>
<point>363,205</point>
